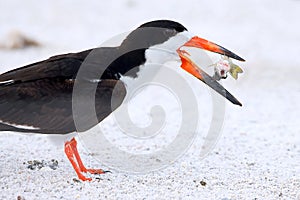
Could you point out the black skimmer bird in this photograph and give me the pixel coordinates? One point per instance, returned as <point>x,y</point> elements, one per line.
<point>39,95</point>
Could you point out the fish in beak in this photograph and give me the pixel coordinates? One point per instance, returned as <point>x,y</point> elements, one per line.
<point>225,66</point>
<point>188,65</point>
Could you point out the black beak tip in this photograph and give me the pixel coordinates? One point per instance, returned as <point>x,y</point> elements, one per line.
<point>235,101</point>
<point>240,59</point>
<point>231,54</point>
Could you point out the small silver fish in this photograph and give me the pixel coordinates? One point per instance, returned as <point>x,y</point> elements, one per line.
<point>225,65</point>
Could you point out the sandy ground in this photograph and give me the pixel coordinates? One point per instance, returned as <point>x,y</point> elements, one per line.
<point>258,154</point>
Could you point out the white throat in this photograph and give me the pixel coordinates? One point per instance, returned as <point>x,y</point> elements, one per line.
<point>159,54</point>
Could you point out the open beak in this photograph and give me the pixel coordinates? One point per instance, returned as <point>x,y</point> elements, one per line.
<point>189,66</point>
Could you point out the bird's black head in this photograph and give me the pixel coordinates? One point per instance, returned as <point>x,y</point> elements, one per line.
<point>152,33</point>
<point>133,48</point>
<point>166,24</point>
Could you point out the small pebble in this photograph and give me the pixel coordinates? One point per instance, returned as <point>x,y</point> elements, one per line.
<point>203,183</point>
<point>20,198</point>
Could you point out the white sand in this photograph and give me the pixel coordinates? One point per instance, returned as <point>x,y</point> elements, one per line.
<point>258,154</point>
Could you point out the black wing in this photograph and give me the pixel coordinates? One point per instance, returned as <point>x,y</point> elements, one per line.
<point>46,105</point>
<point>65,66</point>
<point>40,94</point>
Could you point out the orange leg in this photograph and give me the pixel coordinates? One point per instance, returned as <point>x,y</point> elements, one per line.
<point>72,154</point>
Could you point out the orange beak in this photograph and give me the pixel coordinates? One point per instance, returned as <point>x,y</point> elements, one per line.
<point>210,46</point>
<point>194,70</point>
